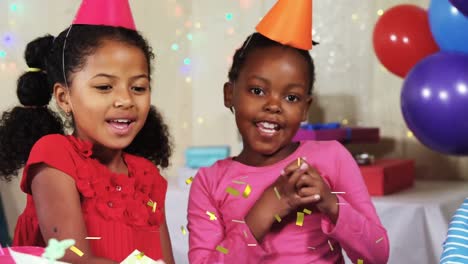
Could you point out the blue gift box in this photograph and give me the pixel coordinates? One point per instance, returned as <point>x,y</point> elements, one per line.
<point>197,157</point>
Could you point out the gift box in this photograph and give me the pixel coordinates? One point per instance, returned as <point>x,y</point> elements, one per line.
<point>388,176</point>
<point>197,157</point>
<point>342,134</point>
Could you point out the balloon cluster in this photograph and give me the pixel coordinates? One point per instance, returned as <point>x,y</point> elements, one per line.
<point>430,50</point>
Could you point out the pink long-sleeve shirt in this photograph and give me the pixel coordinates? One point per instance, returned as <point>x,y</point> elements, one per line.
<point>215,216</point>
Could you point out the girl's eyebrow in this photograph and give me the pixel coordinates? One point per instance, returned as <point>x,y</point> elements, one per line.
<point>110,76</point>
<point>260,78</point>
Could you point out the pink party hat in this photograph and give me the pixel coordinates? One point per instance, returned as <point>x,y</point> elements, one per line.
<point>115,13</point>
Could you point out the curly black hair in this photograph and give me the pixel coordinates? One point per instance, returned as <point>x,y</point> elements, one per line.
<point>258,41</point>
<point>54,60</point>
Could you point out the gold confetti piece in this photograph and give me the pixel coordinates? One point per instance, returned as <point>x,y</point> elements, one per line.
<point>150,203</point>
<point>232,191</point>
<point>251,245</point>
<point>338,192</point>
<point>360,261</point>
<point>278,218</point>
<point>299,162</point>
<point>211,215</point>
<point>140,255</point>
<point>307,211</point>
<point>300,219</point>
<point>154,207</point>
<point>329,243</point>
<point>189,180</point>
<point>222,249</point>
<point>247,191</point>
<point>238,221</point>
<point>277,193</point>
<point>182,228</point>
<point>93,238</point>
<point>239,182</point>
<point>378,240</point>
<point>76,251</point>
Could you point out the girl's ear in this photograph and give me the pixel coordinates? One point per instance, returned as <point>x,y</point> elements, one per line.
<point>228,95</point>
<point>309,101</point>
<point>62,97</point>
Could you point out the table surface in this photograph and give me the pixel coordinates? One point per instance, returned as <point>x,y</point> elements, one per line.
<point>416,219</point>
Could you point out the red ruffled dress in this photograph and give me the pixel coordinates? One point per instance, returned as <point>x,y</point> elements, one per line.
<point>115,206</point>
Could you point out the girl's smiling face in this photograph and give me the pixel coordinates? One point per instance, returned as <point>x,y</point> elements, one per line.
<point>270,99</point>
<point>109,97</point>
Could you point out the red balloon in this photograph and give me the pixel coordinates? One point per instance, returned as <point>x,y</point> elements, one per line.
<point>402,37</point>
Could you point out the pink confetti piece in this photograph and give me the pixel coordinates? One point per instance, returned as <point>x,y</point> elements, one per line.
<point>329,243</point>
<point>92,238</point>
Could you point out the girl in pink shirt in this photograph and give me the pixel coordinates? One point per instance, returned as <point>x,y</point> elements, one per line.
<point>281,201</point>
<point>275,202</point>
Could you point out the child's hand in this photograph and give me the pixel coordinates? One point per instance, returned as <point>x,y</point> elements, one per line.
<point>305,186</point>
<point>287,190</point>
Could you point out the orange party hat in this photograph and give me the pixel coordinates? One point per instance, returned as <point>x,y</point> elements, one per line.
<point>115,13</point>
<point>289,22</point>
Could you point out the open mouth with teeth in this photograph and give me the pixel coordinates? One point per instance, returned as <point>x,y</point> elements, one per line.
<point>120,123</point>
<point>268,128</point>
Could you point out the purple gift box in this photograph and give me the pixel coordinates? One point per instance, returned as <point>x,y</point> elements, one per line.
<point>342,134</point>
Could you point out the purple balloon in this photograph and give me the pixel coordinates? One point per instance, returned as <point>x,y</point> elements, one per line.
<point>434,102</point>
<point>461,5</point>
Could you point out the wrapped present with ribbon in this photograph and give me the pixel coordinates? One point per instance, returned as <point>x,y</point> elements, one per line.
<point>334,131</point>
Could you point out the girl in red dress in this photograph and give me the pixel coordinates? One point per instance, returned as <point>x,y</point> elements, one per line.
<point>101,180</point>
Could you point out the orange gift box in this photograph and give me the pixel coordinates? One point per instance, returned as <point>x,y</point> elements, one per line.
<point>388,176</point>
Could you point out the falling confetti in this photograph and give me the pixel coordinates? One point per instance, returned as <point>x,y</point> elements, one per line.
<point>300,219</point>
<point>277,193</point>
<point>338,192</point>
<point>360,261</point>
<point>245,234</point>
<point>251,245</point>
<point>93,238</point>
<point>329,243</point>
<point>341,203</point>
<point>232,191</point>
<point>238,221</point>
<point>76,251</point>
<point>239,182</point>
<point>298,162</point>
<point>140,255</point>
<point>211,215</point>
<point>247,191</point>
<point>184,232</point>
<point>189,180</point>
<point>278,218</point>
<point>307,211</point>
<point>311,248</point>
<point>378,240</point>
<point>222,249</point>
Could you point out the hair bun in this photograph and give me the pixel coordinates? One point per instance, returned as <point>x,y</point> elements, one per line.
<point>37,50</point>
